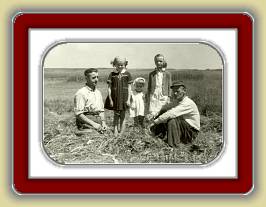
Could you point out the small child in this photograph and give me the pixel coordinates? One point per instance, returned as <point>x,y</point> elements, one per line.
<point>119,92</point>
<point>137,103</point>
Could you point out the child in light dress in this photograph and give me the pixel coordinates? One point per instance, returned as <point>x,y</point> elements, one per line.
<point>119,93</point>
<point>137,102</point>
<point>159,83</point>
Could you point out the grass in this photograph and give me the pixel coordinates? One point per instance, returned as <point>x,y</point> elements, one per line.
<point>136,146</point>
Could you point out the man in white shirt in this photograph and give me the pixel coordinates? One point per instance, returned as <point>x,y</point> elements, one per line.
<point>180,119</point>
<point>88,104</point>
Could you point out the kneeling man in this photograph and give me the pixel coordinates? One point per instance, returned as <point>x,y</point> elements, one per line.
<point>180,119</point>
<point>88,104</point>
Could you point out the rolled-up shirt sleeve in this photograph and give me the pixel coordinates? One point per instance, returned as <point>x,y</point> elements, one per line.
<point>177,111</point>
<point>79,104</point>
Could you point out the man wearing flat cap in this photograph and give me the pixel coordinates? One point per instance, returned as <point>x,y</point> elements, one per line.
<point>88,104</point>
<point>180,119</point>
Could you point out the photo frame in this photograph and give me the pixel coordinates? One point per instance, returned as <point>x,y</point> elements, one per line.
<point>30,42</point>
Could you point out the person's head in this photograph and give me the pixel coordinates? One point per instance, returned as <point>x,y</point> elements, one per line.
<point>160,61</point>
<point>178,90</point>
<point>139,84</point>
<point>92,77</point>
<point>119,63</point>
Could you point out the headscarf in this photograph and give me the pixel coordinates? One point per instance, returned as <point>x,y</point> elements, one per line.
<point>139,80</point>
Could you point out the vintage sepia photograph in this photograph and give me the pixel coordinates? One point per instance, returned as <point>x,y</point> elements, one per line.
<point>123,103</point>
<point>133,103</point>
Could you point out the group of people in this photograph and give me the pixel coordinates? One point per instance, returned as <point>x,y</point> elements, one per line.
<point>171,114</point>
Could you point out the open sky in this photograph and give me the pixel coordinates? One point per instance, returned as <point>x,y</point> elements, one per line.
<point>139,55</point>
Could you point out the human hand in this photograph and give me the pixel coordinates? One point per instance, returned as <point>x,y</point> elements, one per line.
<point>132,106</point>
<point>92,107</point>
<point>100,128</point>
<point>150,129</point>
<point>150,117</point>
<point>104,126</point>
<point>128,102</point>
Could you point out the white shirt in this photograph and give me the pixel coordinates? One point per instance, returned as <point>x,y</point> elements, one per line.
<point>87,100</point>
<point>186,108</point>
<point>137,105</point>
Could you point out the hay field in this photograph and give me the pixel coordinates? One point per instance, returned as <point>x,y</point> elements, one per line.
<point>136,146</point>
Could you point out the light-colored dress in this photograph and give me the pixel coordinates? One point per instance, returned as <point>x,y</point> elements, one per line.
<point>157,99</point>
<point>137,105</point>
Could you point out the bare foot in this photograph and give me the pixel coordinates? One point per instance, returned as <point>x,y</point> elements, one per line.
<point>121,134</point>
<point>115,132</point>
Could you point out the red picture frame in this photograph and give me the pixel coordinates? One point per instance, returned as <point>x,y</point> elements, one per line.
<point>22,184</point>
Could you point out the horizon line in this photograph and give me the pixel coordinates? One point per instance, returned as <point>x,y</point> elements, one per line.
<point>83,68</point>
